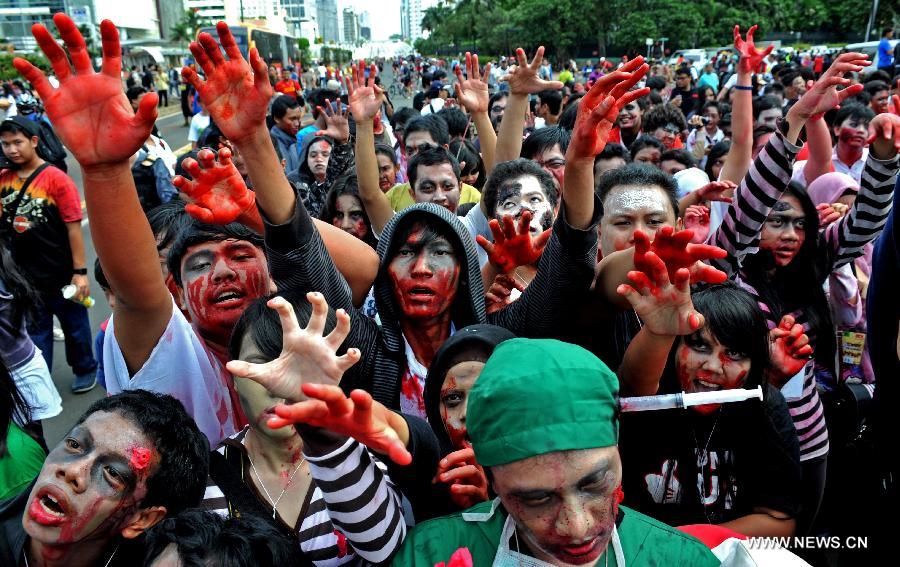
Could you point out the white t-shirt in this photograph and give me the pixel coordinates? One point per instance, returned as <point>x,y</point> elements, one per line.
<point>476,223</point>
<point>199,123</point>
<point>181,366</point>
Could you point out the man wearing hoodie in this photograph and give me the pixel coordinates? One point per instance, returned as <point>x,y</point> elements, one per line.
<point>287,113</point>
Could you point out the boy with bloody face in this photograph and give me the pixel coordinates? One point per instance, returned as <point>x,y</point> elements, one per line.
<point>131,459</point>
<point>542,420</point>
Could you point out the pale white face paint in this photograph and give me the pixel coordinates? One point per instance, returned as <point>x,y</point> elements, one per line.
<point>633,207</point>
<point>525,194</point>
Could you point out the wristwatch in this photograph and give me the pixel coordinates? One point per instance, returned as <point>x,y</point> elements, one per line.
<point>79,271</point>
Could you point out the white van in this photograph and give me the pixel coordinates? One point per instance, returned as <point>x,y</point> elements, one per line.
<point>697,57</point>
<point>870,48</point>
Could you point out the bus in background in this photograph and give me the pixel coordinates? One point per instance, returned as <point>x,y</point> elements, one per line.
<point>274,47</point>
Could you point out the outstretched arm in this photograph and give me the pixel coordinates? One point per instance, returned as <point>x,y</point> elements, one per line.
<point>93,118</point>
<point>523,81</point>
<point>738,161</point>
<point>597,112</point>
<point>472,93</point>
<point>364,102</point>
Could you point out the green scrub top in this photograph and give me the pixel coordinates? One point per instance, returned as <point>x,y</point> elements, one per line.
<point>645,541</point>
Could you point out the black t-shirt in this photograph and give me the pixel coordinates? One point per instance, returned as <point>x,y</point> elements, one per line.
<point>682,467</point>
<point>37,228</point>
<point>689,99</point>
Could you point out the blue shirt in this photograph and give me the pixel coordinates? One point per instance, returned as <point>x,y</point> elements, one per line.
<point>885,55</point>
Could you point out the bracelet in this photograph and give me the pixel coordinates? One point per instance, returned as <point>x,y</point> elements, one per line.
<point>80,271</point>
<point>743,87</point>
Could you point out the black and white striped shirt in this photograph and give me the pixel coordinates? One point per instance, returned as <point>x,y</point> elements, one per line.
<point>839,243</point>
<point>352,513</point>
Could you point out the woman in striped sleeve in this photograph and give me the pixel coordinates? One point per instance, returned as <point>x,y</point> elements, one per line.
<point>324,490</point>
<point>777,253</point>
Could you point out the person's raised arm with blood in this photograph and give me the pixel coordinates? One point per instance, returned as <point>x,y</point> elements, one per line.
<point>597,113</point>
<point>472,93</point>
<point>665,309</point>
<point>93,118</point>
<point>737,163</point>
<point>365,102</point>
<point>217,192</point>
<point>713,191</point>
<point>789,351</point>
<point>523,80</point>
<point>236,94</point>
<point>818,140</point>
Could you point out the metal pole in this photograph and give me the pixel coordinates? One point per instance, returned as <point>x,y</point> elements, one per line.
<point>871,19</point>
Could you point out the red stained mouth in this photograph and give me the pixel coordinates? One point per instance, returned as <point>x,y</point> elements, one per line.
<point>49,507</point>
<point>421,291</point>
<point>583,553</point>
<point>229,297</point>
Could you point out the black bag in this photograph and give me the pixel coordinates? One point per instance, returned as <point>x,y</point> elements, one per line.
<point>50,148</point>
<point>145,182</point>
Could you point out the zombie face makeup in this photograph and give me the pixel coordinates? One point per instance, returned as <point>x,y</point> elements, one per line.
<point>387,172</point>
<point>880,102</point>
<point>92,483</point>
<point>564,503</point>
<point>704,364</point>
<point>497,110</point>
<point>553,161</point>
<point>525,194</point>
<point>628,208</point>
<point>350,216</point>
<point>317,158</point>
<point>219,280</point>
<point>257,403</point>
<point>630,117</point>
<point>648,155</point>
<point>768,117</point>
<point>784,231</point>
<point>424,275</point>
<point>852,132</point>
<point>437,184</point>
<point>667,135</point>
<point>454,395</point>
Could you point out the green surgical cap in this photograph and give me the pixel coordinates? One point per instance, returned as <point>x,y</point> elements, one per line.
<point>538,396</point>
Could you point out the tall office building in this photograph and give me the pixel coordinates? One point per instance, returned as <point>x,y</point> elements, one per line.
<point>327,12</point>
<point>16,20</point>
<point>411,14</point>
<point>300,17</point>
<point>351,26</point>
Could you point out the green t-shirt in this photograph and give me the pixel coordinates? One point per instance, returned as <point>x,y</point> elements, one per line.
<point>21,463</point>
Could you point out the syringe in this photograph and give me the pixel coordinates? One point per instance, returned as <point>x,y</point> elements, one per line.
<point>686,400</point>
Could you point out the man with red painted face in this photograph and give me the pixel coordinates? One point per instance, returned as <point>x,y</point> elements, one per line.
<point>221,270</point>
<point>542,420</point>
<point>777,252</point>
<point>129,461</point>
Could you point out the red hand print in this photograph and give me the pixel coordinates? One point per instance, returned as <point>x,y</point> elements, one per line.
<point>513,246</point>
<point>751,58</point>
<point>217,191</point>
<point>676,251</point>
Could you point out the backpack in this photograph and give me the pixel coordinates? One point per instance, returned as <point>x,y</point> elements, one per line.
<point>50,148</point>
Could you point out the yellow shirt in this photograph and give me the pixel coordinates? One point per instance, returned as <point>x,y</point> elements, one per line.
<point>400,196</point>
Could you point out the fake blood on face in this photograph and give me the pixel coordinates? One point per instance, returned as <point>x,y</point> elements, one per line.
<point>424,274</point>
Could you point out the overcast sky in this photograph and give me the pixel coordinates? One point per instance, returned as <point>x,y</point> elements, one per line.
<point>384,14</point>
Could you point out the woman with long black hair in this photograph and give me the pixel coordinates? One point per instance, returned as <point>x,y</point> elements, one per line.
<point>777,253</point>
<point>736,464</point>
<point>18,353</point>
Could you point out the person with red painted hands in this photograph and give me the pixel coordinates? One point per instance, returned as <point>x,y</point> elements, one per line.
<point>217,192</point>
<point>148,343</point>
<point>129,461</point>
<point>514,246</point>
<point>777,252</point>
<point>298,475</point>
<point>735,465</point>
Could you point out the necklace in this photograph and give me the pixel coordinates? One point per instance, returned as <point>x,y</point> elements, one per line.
<point>108,561</point>
<point>266,490</point>
<point>697,453</point>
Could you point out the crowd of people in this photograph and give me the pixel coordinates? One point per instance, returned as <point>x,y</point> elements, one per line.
<point>305,306</point>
